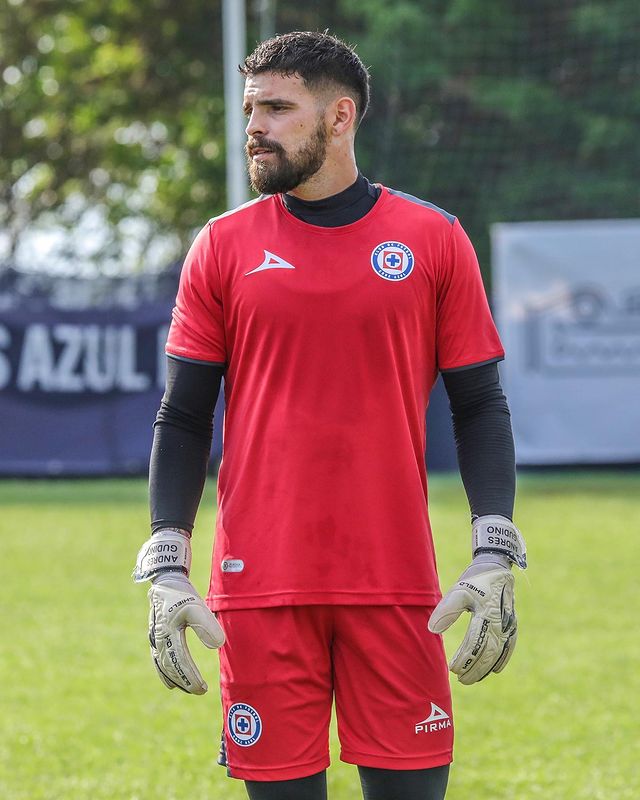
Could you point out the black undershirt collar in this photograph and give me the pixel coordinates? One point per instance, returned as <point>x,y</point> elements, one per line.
<point>340,209</point>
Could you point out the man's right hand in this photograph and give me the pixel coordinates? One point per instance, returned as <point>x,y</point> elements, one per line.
<point>486,590</point>
<point>175,605</point>
<point>165,559</point>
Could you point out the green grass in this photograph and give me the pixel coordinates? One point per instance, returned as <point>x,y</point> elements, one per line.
<point>84,716</point>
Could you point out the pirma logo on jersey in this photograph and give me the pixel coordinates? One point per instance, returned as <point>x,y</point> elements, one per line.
<point>271,261</point>
<point>437,720</point>
<point>244,724</point>
<point>393,261</point>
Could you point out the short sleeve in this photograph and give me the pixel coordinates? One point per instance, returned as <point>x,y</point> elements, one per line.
<point>197,326</point>
<point>465,332</point>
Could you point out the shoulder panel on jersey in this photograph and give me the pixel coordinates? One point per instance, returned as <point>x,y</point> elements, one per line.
<point>412,199</point>
<point>244,206</point>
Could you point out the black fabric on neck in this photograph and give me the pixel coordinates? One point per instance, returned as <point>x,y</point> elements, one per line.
<point>340,209</point>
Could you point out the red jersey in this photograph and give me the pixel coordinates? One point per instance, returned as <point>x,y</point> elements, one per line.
<point>333,338</point>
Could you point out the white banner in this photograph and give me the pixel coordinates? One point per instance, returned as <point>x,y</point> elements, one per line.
<point>567,304</point>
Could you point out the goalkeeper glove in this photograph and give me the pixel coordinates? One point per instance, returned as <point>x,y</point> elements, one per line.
<point>165,559</point>
<point>485,589</point>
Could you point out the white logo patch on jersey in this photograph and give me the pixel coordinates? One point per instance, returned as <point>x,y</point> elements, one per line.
<point>392,261</point>
<point>271,261</point>
<point>232,565</point>
<point>437,720</point>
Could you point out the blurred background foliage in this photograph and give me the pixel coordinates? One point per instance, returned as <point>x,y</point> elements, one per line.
<point>112,115</point>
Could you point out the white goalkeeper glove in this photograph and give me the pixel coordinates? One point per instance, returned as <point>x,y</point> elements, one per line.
<point>485,589</point>
<point>165,559</point>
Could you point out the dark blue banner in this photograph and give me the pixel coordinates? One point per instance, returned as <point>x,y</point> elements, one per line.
<point>79,389</point>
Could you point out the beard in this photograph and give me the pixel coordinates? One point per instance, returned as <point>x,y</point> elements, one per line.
<point>285,171</point>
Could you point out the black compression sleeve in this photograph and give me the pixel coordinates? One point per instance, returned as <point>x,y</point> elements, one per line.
<point>312,788</point>
<point>182,442</point>
<point>404,784</point>
<point>484,440</point>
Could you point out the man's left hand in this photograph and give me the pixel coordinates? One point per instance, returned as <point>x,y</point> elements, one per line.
<point>486,590</point>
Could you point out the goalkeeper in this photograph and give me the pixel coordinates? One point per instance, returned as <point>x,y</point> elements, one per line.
<point>330,305</point>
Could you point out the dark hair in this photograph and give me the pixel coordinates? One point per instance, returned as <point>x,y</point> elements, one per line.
<point>318,58</point>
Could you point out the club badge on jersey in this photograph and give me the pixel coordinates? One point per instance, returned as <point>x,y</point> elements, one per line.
<point>393,261</point>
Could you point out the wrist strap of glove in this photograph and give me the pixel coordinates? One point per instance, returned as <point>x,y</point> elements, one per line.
<point>168,550</point>
<point>497,534</point>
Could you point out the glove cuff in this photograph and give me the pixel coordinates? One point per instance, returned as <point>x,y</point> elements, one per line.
<point>168,550</point>
<point>497,534</point>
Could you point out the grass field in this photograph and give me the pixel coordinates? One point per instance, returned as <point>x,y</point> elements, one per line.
<point>83,715</point>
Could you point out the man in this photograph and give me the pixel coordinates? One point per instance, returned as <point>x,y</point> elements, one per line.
<point>329,304</point>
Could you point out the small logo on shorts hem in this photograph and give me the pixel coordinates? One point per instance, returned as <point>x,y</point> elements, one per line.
<point>437,720</point>
<point>244,724</point>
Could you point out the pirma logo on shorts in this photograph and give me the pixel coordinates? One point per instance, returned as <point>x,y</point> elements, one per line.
<point>437,720</point>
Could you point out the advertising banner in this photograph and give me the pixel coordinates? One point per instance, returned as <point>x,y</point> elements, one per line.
<point>567,304</point>
<point>81,377</point>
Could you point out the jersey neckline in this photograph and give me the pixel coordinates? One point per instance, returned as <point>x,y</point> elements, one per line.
<point>339,230</point>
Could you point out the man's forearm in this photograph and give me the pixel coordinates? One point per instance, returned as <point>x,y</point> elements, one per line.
<point>484,439</point>
<point>177,473</point>
<point>181,443</point>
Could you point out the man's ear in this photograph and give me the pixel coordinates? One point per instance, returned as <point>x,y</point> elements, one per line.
<point>343,115</point>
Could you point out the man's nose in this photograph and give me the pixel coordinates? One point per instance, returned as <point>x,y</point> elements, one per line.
<point>255,125</point>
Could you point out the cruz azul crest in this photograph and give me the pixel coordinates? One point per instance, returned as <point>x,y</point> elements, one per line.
<point>393,261</point>
<point>244,724</point>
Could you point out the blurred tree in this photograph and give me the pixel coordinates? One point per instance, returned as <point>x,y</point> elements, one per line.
<point>113,110</point>
<point>504,111</point>
<point>498,111</point>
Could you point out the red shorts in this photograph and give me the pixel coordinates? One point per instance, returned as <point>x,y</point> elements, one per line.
<point>281,667</point>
